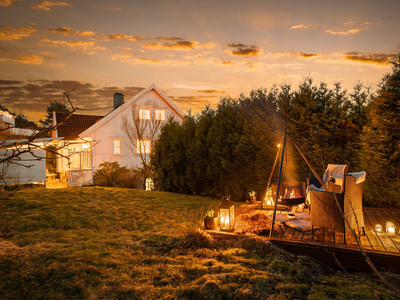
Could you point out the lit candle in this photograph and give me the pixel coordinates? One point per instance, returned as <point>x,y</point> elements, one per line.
<point>390,228</point>
<point>378,228</point>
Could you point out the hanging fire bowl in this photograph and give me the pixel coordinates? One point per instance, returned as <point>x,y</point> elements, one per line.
<point>290,192</point>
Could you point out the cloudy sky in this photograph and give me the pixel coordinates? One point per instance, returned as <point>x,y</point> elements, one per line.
<point>196,51</point>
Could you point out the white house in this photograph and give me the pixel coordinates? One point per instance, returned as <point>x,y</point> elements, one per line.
<point>109,140</point>
<point>29,165</point>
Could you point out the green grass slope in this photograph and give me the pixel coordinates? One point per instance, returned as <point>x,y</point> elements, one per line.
<point>110,243</point>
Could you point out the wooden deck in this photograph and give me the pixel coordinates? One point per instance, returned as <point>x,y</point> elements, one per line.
<point>382,249</point>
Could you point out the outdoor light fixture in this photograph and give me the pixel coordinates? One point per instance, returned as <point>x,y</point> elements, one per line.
<point>390,228</point>
<point>378,228</point>
<point>226,214</point>
<point>269,197</point>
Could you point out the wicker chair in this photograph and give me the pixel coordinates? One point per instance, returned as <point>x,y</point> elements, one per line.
<point>325,213</point>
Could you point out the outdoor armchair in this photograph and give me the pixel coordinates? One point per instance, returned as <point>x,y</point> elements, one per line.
<point>333,173</point>
<point>325,213</point>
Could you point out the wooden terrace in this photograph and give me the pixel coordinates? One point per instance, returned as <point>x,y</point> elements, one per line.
<point>325,244</point>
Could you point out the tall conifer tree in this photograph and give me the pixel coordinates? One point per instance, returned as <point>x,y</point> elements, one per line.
<point>381,142</point>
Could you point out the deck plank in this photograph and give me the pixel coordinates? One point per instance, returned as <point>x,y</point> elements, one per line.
<point>373,238</point>
<point>386,241</point>
<point>330,237</point>
<point>307,236</point>
<point>288,233</point>
<point>297,235</point>
<point>381,218</point>
<point>242,208</point>
<point>318,235</point>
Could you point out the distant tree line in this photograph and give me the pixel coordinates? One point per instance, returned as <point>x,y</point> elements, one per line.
<point>231,149</point>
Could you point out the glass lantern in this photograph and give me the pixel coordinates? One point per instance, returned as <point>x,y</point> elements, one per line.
<point>226,214</point>
<point>378,228</point>
<point>390,228</point>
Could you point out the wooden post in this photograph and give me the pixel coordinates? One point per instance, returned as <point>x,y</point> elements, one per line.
<point>278,185</point>
<point>306,160</point>
<point>270,176</point>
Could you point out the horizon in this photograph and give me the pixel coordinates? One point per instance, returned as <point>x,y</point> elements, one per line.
<point>195,52</point>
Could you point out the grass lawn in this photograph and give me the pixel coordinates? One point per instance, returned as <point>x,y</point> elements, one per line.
<point>112,243</point>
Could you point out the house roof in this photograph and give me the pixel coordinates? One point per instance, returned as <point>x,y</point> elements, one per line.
<point>113,113</point>
<point>74,125</point>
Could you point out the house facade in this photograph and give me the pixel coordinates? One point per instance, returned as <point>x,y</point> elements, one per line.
<point>29,166</point>
<point>110,141</point>
<point>74,159</point>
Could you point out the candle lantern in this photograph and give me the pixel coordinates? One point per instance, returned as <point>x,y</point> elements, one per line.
<point>226,214</point>
<point>390,228</point>
<point>378,228</point>
<point>269,198</point>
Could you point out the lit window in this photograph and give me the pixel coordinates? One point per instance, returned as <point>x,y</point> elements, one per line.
<point>144,114</point>
<point>143,146</point>
<point>159,114</point>
<point>116,147</point>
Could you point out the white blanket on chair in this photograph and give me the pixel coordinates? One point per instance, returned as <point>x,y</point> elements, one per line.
<point>359,176</point>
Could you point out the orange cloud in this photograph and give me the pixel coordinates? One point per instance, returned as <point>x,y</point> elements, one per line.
<point>237,45</point>
<point>148,60</point>
<point>61,30</point>
<point>179,45</point>
<point>245,52</point>
<point>298,54</point>
<point>195,103</point>
<point>372,23</point>
<point>86,33</point>
<point>243,49</point>
<point>46,5</point>
<point>68,31</point>
<point>212,91</point>
<point>83,45</point>
<point>350,31</point>
<point>7,3</point>
<point>120,36</point>
<point>26,59</point>
<point>372,58</point>
<point>230,62</point>
<point>168,38</point>
<point>8,33</point>
<point>300,26</point>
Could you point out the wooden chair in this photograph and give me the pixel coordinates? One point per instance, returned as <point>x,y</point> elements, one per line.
<point>325,213</point>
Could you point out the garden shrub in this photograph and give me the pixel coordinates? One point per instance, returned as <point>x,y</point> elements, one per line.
<point>111,174</point>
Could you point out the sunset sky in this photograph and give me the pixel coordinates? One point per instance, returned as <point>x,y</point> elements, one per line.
<point>195,51</point>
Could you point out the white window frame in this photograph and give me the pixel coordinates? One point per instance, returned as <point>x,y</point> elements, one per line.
<point>139,146</point>
<point>113,140</point>
<point>160,112</point>
<point>144,113</point>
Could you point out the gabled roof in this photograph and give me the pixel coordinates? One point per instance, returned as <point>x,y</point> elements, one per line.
<point>75,124</point>
<point>127,104</point>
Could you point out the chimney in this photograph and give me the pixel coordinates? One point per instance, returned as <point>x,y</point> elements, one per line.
<point>118,99</point>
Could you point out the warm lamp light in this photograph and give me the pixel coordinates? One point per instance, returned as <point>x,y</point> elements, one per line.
<point>226,214</point>
<point>378,228</point>
<point>269,197</point>
<point>390,228</point>
<point>279,145</point>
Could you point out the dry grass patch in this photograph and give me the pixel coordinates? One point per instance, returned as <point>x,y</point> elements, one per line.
<point>111,243</point>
